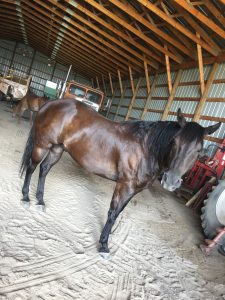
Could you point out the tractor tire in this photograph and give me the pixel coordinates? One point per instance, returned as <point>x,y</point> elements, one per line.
<point>209,217</point>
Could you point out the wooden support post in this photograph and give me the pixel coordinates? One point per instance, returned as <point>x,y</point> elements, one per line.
<point>103,83</point>
<point>113,96</point>
<point>131,79</point>
<point>200,65</point>
<point>98,86</point>
<point>92,83</point>
<point>111,85</point>
<point>120,82</point>
<point>172,94</point>
<point>133,99</point>
<point>202,101</point>
<point>121,99</point>
<point>149,97</point>
<point>147,77</point>
<point>13,56</point>
<point>168,72</point>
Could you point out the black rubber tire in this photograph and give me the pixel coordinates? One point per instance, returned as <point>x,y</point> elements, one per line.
<point>209,219</point>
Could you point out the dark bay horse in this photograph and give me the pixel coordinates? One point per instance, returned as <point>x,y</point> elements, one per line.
<point>133,153</point>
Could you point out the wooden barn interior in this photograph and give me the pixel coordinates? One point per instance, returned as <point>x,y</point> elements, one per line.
<point>150,58</point>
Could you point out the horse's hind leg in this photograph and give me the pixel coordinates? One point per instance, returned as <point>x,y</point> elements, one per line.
<point>37,156</point>
<point>124,191</point>
<point>51,159</point>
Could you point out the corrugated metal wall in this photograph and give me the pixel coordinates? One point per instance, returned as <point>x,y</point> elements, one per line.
<point>186,97</point>
<point>24,60</point>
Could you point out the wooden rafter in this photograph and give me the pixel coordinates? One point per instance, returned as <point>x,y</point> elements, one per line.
<point>129,10</point>
<point>177,25</point>
<point>129,58</point>
<point>69,24</point>
<point>121,34</point>
<point>201,17</point>
<point>135,31</point>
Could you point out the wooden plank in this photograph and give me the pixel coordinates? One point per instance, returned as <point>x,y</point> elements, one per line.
<point>120,82</point>
<point>67,36</point>
<point>136,32</point>
<point>98,86</point>
<point>213,9</point>
<point>197,27</point>
<point>203,99</point>
<point>94,41</point>
<point>177,25</point>
<point>111,84</point>
<point>113,96</point>
<point>133,99</point>
<point>171,97</point>
<point>128,9</point>
<point>168,73</point>
<point>200,66</point>
<point>119,33</point>
<point>131,79</point>
<point>149,97</point>
<point>147,77</point>
<point>103,83</point>
<point>120,101</point>
<point>201,17</point>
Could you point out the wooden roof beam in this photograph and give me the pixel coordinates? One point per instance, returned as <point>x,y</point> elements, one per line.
<point>201,17</point>
<point>177,25</point>
<point>134,30</point>
<point>66,48</point>
<point>136,64</point>
<point>129,10</point>
<point>123,36</point>
<point>204,35</point>
<point>102,50</point>
<point>212,8</point>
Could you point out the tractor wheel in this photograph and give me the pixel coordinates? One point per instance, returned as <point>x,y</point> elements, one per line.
<point>213,211</point>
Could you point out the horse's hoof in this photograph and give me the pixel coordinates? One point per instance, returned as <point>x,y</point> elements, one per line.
<point>105,255</point>
<point>40,208</point>
<point>25,204</point>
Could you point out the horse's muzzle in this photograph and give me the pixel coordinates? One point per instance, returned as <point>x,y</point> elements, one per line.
<point>171,181</point>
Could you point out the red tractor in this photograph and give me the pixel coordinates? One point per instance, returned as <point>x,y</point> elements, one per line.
<point>204,181</point>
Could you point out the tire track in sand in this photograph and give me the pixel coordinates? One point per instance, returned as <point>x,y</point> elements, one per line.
<point>61,273</point>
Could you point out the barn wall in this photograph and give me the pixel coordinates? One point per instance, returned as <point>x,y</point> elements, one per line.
<point>186,97</point>
<point>25,60</point>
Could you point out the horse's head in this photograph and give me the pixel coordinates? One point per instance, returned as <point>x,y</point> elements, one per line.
<point>185,148</point>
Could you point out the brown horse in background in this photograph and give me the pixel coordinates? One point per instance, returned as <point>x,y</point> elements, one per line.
<point>30,102</point>
<point>133,153</point>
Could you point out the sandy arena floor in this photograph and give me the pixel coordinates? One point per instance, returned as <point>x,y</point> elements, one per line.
<point>53,255</point>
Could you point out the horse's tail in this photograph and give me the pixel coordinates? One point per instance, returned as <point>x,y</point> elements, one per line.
<point>27,153</point>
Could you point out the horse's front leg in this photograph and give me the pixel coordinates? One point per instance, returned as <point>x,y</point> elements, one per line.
<point>124,191</point>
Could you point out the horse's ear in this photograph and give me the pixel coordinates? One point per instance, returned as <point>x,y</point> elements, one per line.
<point>180,118</point>
<point>212,128</point>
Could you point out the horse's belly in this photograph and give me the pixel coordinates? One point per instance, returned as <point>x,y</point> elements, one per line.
<point>97,164</point>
